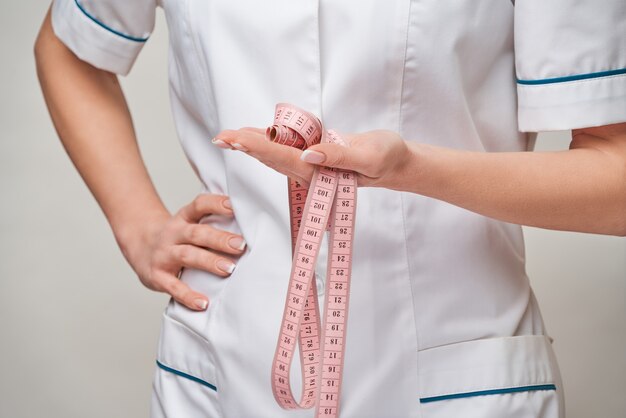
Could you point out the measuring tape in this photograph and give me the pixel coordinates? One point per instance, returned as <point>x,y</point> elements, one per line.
<point>328,204</point>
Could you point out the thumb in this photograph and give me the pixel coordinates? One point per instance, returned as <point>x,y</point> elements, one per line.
<point>334,155</point>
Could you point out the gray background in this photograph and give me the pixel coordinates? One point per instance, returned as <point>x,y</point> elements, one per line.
<point>77,330</point>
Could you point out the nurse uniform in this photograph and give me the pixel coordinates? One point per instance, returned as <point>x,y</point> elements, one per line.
<point>443,322</point>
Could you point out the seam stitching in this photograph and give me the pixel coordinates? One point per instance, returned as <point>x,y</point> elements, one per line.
<point>108,28</point>
<point>198,58</point>
<point>581,78</point>
<point>406,249</point>
<point>186,328</point>
<point>406,46</point>
<point>526,87</point>
<point>500,391</point>
<point>121,53</point>
<point>595,101</point>
<point>186,375</point>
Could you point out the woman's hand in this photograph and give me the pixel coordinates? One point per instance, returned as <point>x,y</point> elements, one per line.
<point>581,189</point>
<point>163,247</point>
<point>379,157</point>
<point>90,114</point>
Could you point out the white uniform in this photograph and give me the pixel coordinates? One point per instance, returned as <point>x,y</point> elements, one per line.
<point>443,322</point>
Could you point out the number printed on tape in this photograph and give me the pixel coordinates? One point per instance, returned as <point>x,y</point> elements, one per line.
<point>329,203</point>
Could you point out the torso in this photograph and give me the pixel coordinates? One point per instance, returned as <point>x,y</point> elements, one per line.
<point>426,274</point>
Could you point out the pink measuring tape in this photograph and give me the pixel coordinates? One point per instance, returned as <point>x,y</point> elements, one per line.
<point>328,204</point>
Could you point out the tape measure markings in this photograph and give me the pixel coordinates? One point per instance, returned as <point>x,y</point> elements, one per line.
<point>328,203</point>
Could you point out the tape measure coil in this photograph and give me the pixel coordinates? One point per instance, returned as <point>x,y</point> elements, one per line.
<point>329,203</point>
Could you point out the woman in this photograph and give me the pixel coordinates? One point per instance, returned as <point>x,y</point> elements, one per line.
<point>443,321</point>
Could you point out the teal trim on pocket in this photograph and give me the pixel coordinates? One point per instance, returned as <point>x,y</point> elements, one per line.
<point>186,376</point>
<point>488,392</point>
<point>110,29</point>
<point>573,77</point>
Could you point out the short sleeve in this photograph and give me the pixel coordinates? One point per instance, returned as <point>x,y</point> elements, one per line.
<point>108,34</point>
<point>570,58</point>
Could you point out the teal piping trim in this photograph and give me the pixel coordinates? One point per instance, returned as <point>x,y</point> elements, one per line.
<point>488,392</point>
<point>185,375</point>
<point>573,77</point>
<point>110,29</point>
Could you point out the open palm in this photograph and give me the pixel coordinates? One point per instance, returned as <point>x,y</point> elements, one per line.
<point>378,157</point>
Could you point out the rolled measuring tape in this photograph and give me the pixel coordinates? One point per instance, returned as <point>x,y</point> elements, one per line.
<point>329,203</point>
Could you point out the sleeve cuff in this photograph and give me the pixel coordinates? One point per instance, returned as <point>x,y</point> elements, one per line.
<point>92,41</point>
<point>571,102</point>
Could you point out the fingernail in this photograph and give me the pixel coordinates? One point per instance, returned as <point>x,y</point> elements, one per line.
<point>201,303</point>
<point>237,243</point>
<point>226,266</point>
<point>239,147</point>
<point>220,143</point>
<point>227,204</point>
<point>312,157</point>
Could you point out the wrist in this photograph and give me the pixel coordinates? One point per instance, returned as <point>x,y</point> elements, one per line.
<point>410,174</point>
<point>135,234</point>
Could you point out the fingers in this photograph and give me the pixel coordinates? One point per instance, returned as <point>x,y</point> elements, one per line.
<point>199,258</point>
<point>186,255</point>
<point>183,294</point>
<point>334,155</point>
<point>282,158</point>
<point>206,204</point>
<point>182,242</point>
<point>189,231</point>
<point>209,237</point>
<point>376,156</point>
<point>362,162</point>
<point>241,139</point>
<point>190,242</point>
<point>291,161</point>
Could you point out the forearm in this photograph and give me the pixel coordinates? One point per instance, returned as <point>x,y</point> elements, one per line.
<point>580,189</point>
<point>91,117</point>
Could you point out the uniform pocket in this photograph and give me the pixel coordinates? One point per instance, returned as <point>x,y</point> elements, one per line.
<point>185,383</point>
<point>495,377</point>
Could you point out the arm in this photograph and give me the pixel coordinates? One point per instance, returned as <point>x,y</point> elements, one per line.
<point>92,120</point>
<point>582,189</point>
<point>570,71</point>
<point>91,117</point>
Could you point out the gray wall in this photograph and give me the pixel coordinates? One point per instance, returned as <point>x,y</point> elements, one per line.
<point>77,330</point>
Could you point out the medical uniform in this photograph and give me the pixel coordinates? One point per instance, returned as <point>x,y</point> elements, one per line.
<point>443,322</point>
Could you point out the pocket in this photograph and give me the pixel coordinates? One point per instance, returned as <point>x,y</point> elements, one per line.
<point>185,382</point>
<point>495,377</point>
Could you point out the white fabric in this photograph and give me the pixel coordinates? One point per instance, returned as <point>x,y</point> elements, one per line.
<point>100,46</point>
<point>427,275</point>
<point>540,404</point>
<point>489,364</point>
<point>574,104</point>
<point>564,38</point>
